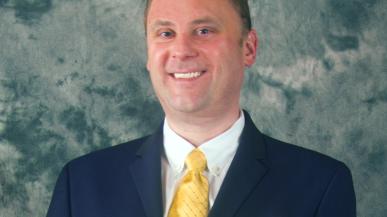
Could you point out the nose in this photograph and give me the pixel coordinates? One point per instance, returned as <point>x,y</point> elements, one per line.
<point>183,48</point>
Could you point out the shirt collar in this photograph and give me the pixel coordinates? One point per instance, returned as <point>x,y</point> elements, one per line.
<point>219,150</point>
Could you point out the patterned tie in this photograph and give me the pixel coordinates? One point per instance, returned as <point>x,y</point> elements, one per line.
<point>191,197</point>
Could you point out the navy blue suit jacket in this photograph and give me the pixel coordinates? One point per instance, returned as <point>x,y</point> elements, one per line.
<point>267,178</point>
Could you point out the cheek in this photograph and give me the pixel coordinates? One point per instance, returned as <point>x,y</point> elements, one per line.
<point>157,56</point>
<point>225,49</point>
<point>214,52</point>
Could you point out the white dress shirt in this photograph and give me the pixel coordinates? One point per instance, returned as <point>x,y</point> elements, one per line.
<point>219,153</point>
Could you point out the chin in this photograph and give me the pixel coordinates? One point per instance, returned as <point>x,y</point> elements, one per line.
<point>186,107</point>
<point>184,104</point>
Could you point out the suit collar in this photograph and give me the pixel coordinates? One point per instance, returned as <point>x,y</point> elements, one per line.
<point>252,139</point>
<point>146,173</point>
<point>246,171</point>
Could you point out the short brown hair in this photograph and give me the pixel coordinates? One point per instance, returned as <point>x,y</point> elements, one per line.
<point>242,7</point>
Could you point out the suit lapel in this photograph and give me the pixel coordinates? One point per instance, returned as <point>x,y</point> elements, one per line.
<point>245,172</point>
<point>146,172</point>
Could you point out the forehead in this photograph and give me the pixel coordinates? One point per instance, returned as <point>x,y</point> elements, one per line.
<point>172,11</point>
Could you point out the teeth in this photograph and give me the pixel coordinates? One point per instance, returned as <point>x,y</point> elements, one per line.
<point>187,75</point>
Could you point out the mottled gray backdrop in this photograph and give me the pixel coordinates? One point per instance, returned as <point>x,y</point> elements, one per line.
<point>73,80</point>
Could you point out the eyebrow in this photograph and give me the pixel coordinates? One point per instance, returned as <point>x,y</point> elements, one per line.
<point>204,20</point>
<point>166,23</point>
<point>163,23</point>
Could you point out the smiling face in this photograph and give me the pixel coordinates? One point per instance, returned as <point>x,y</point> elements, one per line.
<point>197,54</point>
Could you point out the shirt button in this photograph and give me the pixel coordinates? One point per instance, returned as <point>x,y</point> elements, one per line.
<point>217,171</point>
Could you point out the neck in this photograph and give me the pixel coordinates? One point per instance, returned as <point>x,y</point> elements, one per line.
<point>199,129</point>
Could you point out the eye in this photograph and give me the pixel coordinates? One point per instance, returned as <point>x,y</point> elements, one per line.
<point>203,32</point>
<point>166,34</point>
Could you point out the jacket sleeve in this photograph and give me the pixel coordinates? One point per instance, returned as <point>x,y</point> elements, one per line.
<point>60,202</point>
<point>339,199</point>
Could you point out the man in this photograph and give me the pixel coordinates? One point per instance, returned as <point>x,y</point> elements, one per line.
<point>207,159</point>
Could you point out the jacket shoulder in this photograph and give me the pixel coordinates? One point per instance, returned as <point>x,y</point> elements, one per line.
<point>299,158</point>
<point>109,155</point>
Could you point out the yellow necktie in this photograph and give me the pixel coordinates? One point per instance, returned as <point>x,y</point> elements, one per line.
<point>191,197</point>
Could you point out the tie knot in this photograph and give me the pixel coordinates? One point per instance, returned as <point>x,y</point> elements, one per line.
<point>196,160</point>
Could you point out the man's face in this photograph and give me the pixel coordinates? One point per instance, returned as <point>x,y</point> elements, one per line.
<point>197,55</point>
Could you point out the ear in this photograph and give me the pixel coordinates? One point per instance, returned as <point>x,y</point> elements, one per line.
<point>147,52</point>
<point>250,47</point>
<point>147,64</point>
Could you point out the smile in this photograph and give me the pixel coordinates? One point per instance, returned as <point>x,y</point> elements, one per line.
<point>188,75</point>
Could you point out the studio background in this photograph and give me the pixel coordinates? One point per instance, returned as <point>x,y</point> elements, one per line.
<point>73,80</point>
